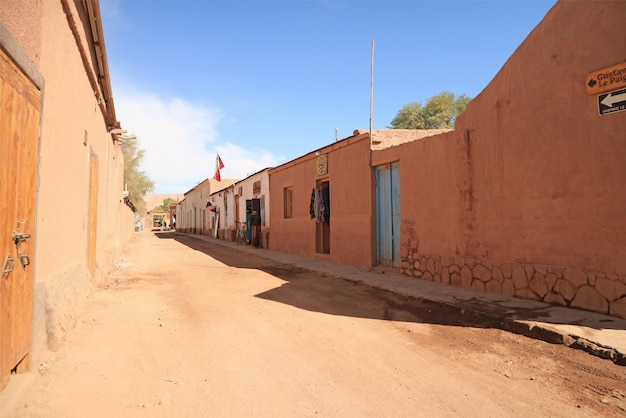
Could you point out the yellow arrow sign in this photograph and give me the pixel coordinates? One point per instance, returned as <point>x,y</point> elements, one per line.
<point>610,78</point>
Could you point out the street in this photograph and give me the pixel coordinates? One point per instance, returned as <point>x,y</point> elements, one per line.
<point>190,328</point>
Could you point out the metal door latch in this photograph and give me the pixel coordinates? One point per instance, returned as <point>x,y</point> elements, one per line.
<point>18,238</point>
<point>9,264</point>
<point>24,260</point>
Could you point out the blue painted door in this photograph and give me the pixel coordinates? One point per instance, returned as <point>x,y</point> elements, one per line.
<point>388,214</point>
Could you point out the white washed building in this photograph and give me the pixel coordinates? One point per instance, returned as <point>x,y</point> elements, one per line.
<point>232,206</point>
<point>192,216</point>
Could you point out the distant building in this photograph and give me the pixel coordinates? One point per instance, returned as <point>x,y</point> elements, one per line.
<point>192,210</point>
<point>153,209</point>
<point>231,208</point>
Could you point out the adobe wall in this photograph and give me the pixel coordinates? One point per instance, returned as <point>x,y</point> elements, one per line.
<point>22,18</point>
<point>73,132</point>
<point>351,204</point>
<point>527,196</point>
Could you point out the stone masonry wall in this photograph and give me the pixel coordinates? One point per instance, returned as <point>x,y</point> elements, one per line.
<point>558,285</point>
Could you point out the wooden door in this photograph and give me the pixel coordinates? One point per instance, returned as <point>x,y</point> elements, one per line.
<point>93,215</point>
<point>322,229</point>
<point>20,103</point>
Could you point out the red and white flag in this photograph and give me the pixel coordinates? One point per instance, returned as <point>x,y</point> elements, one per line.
<point>218,166</point>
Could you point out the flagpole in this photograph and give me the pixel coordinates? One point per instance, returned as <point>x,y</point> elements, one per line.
<point>371,92</point>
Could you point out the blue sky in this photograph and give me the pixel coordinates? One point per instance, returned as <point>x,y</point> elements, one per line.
<point>263,82</point>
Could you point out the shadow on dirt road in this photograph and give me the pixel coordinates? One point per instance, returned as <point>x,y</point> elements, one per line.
<point>334,295</point>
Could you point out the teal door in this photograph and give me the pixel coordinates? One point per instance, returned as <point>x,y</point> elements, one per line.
<point>388,214</point>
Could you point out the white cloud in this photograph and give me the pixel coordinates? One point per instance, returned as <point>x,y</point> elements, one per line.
<point>180,140</point>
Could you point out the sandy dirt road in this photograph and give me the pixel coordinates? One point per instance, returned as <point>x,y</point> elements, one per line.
<point>189,328</point>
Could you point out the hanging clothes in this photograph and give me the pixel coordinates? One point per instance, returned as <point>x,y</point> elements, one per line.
<point>312,204</point>
<point>325,205</point>
<point>322,207</point>
<point>319,208</point>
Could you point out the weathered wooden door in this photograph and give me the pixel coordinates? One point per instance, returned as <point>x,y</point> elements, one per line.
<point>93,214</point>
<point>19,139</point>
<point>388,214</point>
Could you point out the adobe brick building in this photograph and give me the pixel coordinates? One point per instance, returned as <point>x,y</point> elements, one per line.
<point>64,217</point>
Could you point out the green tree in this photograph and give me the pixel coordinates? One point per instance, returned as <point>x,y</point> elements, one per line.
<point>137,181</point>
<point>439,112</point>
<point>165,207</point>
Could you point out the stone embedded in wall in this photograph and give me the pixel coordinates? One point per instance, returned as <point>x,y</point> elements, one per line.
<point>609,288</point>
<point>529,271</point>
<point>455,279</point>
<point>565,289</point>
<point>430,265</point>
<point>550,279</point>
<point>575,277</point>
<point>493,286</point>
<point>618,308</point>
<point>481,273</point>
<point>557,271</point>
<point>507,270</point>
<point>589,298</point>
<point>445,275</point>
<point>520,281</point>
<point>466,277</point>
<point>478,285</point>
<point>591,279</point>
<point>551,284</point>
<point>554,298</point>
<point>508,289</point>
<point>538,284</point>
<point>497,274</point>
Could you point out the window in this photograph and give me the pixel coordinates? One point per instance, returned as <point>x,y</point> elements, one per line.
<point>288,202</point>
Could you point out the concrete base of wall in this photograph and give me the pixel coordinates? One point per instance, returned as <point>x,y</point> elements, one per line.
<point>265,239</point>
<point>58,303</point>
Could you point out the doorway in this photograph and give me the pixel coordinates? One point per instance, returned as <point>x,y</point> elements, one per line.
<point>322,224</point>
<point>388,214</point>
